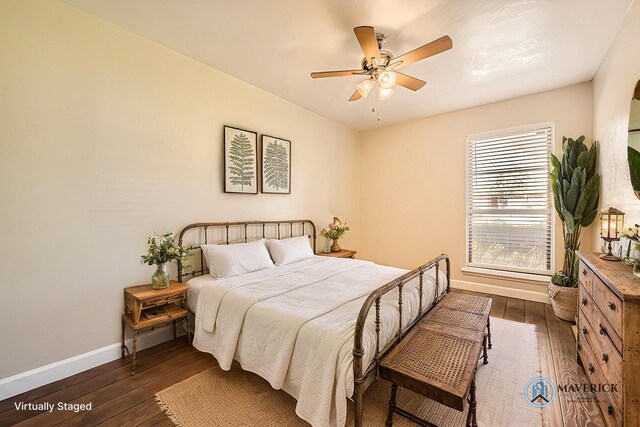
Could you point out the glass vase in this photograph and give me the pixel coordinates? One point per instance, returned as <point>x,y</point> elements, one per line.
<point>636,269</point>
<point>160,278</point>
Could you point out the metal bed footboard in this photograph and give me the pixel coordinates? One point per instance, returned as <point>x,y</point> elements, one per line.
<point>364,376</point>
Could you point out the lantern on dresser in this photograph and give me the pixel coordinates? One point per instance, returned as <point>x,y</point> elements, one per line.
<point>611,224</point>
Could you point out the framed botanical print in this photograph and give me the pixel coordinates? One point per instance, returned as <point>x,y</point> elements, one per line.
<point>276,165</point>
<point>240,161</point>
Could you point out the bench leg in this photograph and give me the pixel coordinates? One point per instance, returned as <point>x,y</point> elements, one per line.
<point>392,405</point>
<point>485,355</point>
<point>471,415</point>
<point>489,331</point>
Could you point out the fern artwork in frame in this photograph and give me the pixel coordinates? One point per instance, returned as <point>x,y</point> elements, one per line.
<point>240,161</point>
<point>276,165</point>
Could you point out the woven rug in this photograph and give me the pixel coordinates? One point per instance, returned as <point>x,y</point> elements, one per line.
<point>238,398</point>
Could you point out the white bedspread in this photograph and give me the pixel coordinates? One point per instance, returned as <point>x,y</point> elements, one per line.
<point>294,326</point>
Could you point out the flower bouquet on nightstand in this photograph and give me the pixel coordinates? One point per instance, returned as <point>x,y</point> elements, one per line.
<point>336,231</point>
<point>162,250</point>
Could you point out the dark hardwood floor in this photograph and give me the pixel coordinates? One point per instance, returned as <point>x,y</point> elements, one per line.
<point>120,399</point>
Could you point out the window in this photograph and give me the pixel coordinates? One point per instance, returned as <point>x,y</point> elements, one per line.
<point>509,212</point>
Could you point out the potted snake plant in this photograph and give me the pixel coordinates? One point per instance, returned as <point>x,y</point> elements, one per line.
<point>576,192</point>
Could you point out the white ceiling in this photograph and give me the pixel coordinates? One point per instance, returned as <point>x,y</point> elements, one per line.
<point>501,48</point>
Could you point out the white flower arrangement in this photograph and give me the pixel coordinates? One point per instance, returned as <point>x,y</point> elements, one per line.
<point>163,248</point>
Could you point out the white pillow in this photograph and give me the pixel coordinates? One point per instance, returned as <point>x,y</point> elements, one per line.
<point>240,258</point>
<point>289,250</point>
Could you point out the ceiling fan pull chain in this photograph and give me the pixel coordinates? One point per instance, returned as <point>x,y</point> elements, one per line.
<point>373,103</point>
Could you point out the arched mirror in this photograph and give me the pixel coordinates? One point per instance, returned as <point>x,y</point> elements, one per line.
<point>634,141</point>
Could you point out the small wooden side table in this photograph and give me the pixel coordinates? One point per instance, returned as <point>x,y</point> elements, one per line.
<point>145,308</point>
<point>343,253</point>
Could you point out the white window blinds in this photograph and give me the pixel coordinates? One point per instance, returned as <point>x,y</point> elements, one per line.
<point>509,212</point>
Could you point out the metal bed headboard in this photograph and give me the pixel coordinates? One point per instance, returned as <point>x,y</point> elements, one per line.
<point>239,232</point>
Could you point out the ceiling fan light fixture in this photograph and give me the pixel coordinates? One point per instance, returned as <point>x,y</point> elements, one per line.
<point>387,79</point>
<point>364,87</point>
<point>385,92</point>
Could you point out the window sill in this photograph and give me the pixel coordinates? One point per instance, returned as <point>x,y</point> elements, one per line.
<point>507,275</point>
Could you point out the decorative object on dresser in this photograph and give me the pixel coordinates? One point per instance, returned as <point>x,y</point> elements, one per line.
<point>609,336</point>
<point>611,224</point>
<point>240,161</point>
<point>342,253</point>
<point>336,230</point>
<point>633,236</point>
<point>162,250</point>
<point>576,192</point>
<point>276,165</point>
<point>145,308</point>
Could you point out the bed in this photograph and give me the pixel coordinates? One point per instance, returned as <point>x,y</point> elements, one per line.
<point>315,328</point>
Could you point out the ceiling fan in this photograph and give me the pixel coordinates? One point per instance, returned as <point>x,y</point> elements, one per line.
<point>380,65</point>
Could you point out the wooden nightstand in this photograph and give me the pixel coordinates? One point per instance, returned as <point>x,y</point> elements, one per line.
<point>343,253</point>
<point>145,308</point>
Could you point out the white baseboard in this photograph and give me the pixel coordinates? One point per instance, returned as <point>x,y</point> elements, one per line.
<point>541,296</point>
<point>25,381</point>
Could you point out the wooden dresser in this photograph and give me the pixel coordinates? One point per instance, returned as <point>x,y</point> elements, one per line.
<point>609,336</point>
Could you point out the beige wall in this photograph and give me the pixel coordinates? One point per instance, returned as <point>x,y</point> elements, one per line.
<point>413,177</point>
<point>106,137</point>
<point>613,87</point>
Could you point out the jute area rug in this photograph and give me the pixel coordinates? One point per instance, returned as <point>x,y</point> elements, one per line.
<point>238,398</point>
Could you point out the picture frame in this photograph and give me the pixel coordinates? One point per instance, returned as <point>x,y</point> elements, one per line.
<point>240,160</point>
<point>276,165</point>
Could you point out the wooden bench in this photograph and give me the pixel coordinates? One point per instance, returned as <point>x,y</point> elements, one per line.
<point>439,356</point>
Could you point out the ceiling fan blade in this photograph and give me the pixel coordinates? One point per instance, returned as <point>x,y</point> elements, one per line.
<point>409,82</point>
<point>435,47</point>
<point>341,73</point>
<point>367,38</point>
<point>356,96</point>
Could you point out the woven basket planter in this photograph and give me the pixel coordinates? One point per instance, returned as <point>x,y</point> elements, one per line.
<point>564,302</point>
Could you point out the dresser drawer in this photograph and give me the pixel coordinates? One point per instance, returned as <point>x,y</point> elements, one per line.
<point>585,276</point>
<point>603,354</point>
<point>611,413</point>
<point>585,301</point>
<point>610,404</point>
<point>609,303</point>
<point>598,326</point>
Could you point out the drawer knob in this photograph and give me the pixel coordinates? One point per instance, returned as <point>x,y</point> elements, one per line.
<point>610,409</point>
<point>591,368</point>
<point>603,330</point>
<point>579,347</point>
<point>584,271</point>
<point>605,357</point>
<point>584,330</point>
<point>584,301</point>
<point>612,305</point>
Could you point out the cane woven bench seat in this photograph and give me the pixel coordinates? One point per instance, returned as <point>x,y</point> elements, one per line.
<point>423,357</point>
<point>467,303</point>
<point>461,319</point>
<point>435,361</point>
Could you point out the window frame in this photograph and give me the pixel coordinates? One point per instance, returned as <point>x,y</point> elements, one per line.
<point>519,274</point>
